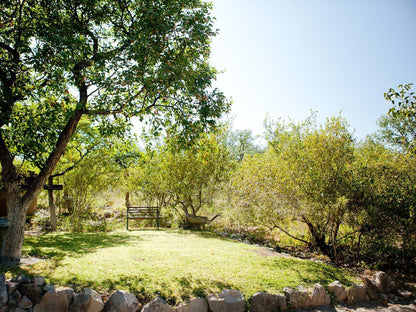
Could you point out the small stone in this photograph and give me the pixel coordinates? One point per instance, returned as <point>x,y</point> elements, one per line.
<point>12,287</point>
<point>21,279</point>
<point>371,288</point>
<point>405,294</point>
<point>32,291</point>
<point>121,301</point>
<point>357,293</point>
<point>319,297</point>
<point>47,288</point>
<point>87,301</point>
<point>4,295</point>
<point>15,297</point>
<point>157,305</point>
<point>25,303</point>
<point>264,302</point>
<point>384,283</point>
<point>57,300</point>
<point>39,280</point>
<point>8,307</point>
<point>338,290</point>
<point>195,305</point>
<point>297,298</point>
<point>228,300</point>
<point>384,299</point>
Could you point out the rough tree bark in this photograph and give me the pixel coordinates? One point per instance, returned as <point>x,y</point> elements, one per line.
<point>17,205</point>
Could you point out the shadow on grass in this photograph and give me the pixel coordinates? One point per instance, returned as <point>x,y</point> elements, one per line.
<point>191,287</point>
<point>55,247</point>
<point>310,272</point>
<point>72,244</point>
<point>209,234</point>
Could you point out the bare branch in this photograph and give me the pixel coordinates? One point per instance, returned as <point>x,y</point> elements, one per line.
<point>71,167</point>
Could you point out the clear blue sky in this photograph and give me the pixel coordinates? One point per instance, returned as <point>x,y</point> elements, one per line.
<point>287,57</point>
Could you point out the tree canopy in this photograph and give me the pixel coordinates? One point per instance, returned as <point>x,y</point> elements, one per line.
<point>108,60</point>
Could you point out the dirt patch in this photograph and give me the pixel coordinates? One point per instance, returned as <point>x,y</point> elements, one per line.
<point>267,252</point>
<point>367,307</point>
<point>27,261</point>
<point>33,233</point>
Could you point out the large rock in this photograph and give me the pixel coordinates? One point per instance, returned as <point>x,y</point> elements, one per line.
<point>297,298</point>
<point>122,301</point>
<point>195,305</point>
<point>157,305</point>
<point>338,290</point>
<point>264,302</point>
<point>4,295</point>
<point>32,291</point>
<point>357,293</point>
<point>384,283</point>
<point>56,300</point>
<point>371,288</point>
<point>87,301</point>
<point>227,300</point>
<point>319,297</point>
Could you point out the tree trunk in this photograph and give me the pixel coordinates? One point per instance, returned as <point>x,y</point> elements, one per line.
<point>16,214</point>
<point>317,239</point>
<point>52,208</point>
<point>17,206</point>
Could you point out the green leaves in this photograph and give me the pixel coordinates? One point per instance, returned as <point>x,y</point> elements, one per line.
<point>186,179</point>
<point>304,176</point>
<point>111,60</point>
<point>398,126</point>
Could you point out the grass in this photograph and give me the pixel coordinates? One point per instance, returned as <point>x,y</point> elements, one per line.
<point>176,265</point>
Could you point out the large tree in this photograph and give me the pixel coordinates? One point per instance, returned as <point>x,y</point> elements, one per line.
<point>111,60</point>
<point>304,176</point>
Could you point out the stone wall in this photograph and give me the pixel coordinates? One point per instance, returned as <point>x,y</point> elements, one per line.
<point>22,294</point>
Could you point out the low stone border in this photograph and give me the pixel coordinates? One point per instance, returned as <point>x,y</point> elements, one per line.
<point>22,294</point>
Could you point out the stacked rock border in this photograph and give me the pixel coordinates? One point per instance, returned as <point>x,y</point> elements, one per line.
<point>21,294</point>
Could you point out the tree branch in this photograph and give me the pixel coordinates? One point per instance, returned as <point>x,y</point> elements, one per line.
<point>71,167</point>
<point>290,235</point>
<point>53,159</point>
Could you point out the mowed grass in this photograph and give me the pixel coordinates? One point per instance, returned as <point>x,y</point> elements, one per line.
<point>176,265</point>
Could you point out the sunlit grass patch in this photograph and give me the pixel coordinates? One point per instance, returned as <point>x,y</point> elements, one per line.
<point>174,264</point>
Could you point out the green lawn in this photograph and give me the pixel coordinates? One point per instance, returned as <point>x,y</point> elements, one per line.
<point>174,264</point>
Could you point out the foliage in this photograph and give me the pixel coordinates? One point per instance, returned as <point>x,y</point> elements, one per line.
<point>304,176</point>
<point>111,60</point>
<point>241,143</point>
<point>356,201</point>
<point>398,127</point>
<point>382,205</point>
<point>99,172</point>
<point>134,59</point>
<point>185,179</point>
